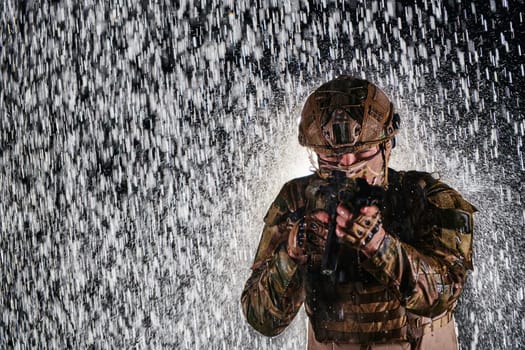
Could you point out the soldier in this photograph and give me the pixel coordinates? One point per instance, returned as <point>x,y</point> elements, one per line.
<point>379,264</point>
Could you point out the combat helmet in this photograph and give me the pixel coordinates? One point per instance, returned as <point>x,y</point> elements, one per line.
<point>345,115</point>
<point>348,115</point>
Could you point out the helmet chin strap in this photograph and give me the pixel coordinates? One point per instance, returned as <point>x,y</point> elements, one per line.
<point>386,148</point>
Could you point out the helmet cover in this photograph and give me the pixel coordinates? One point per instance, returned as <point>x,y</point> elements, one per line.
<point>345,115</point>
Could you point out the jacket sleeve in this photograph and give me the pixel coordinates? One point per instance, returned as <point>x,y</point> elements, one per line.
<point>274,292</point>
<point>429,272</point>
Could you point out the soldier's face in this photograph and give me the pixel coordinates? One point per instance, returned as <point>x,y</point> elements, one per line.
<point>367,163</point>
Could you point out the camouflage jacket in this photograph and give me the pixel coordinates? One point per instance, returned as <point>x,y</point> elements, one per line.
<point>419,269</point>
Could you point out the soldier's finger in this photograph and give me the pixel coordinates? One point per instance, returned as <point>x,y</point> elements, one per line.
<point>341,221</point>
<point>341,233</point>
<point>324,233</point>
<point>370,210</point>
<point>322,216</point>
<point>344,212</point>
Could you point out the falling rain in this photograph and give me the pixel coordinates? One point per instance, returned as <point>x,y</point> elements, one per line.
<point>141,143</point>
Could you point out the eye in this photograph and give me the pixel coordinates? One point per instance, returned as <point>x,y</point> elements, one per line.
<point>330,159</point>
<point>366,153</point>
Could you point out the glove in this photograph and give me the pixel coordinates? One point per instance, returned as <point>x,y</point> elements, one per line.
<point>308,236</point>
<point>364,232</point>
<point>296,238</point>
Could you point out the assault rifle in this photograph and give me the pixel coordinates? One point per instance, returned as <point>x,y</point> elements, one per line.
<point>360,195</point>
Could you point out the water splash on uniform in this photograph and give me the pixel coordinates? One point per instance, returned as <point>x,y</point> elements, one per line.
<point>141,143</point>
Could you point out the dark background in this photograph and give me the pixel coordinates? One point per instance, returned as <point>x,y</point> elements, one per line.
<point>141,143</point>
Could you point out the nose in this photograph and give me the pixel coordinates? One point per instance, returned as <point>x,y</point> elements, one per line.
<point>347,159</point>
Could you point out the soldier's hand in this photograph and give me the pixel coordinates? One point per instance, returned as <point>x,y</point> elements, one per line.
<point>296,243</point>
<point>317,227</point>
<point>308,236</point>
<point>364,232</point>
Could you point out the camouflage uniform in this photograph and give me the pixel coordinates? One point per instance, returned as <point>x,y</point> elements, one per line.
<point>402,296</point>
